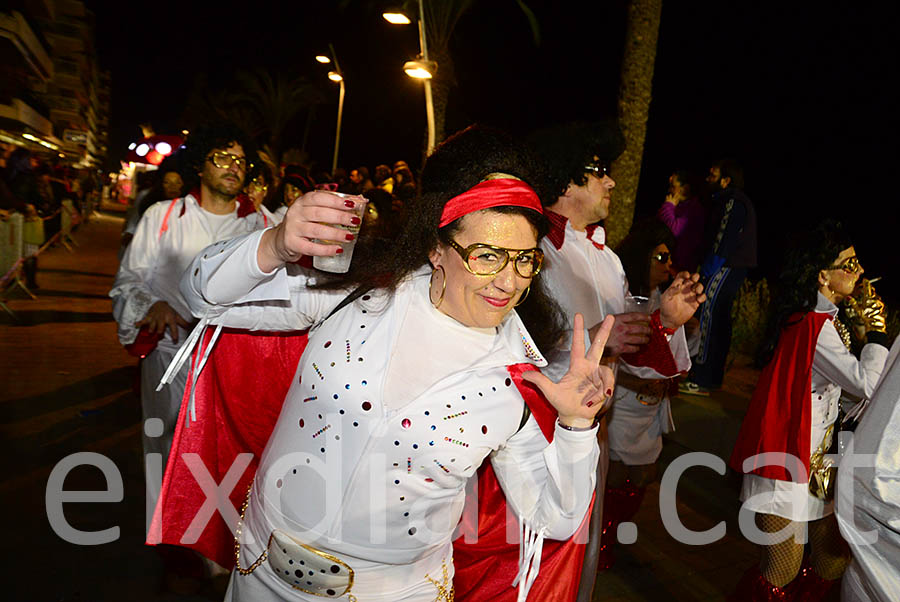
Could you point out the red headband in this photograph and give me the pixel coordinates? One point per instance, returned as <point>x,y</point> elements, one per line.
<point>499,192</point>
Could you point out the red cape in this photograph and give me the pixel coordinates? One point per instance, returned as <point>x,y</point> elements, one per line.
<point>485,569</point>
<point>238,398</point>
<point>778,420</point>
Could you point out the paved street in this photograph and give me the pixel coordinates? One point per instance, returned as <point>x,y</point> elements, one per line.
<point>67,388</point>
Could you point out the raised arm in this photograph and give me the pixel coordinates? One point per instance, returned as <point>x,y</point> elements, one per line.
<point>306,220</point>
<point>857,377</point>
<point>550,486</point>
<point>250,281</point>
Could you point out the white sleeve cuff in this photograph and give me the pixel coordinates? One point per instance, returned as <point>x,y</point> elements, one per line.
<point>232,274</point>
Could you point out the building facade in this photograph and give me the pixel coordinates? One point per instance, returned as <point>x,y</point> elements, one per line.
<point>53,96</point>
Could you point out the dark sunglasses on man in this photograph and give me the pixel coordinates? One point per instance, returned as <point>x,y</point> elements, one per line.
<point>598,168</point>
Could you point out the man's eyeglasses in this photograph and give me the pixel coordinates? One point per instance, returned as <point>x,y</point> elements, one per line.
<point>662,257</point>
<point>851,266</point>
<point>224,160</point>
<point>598,168</point>
<point>486,260</point>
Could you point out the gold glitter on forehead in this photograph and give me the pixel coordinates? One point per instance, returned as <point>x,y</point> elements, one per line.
<point>503,230</point>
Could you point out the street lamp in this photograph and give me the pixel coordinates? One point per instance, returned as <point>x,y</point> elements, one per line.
<point>422,68</point>
<point>336,76</point>
<point>395,17</point>
<point>419,69</point>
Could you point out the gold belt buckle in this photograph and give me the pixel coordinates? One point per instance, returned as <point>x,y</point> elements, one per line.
<point>653,392</point>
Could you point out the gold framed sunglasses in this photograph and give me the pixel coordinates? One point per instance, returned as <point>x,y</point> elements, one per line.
<point>851,266</point>
<point>486,260</point>
<point>224,160</point>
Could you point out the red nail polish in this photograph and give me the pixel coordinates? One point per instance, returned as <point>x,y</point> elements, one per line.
<point>354,221</point>
<point>350,204</point>
<point>609,392</point>
<point>590,403</point>
<point>339,251</point>
<point>350,237</point>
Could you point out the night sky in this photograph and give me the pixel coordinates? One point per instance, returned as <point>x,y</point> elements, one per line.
<point>802,93</point>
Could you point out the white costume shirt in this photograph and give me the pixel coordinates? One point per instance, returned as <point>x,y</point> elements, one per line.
<point>396,472</point>
<point>164,244</point>
<point>155,260</point>
<point>591,281</point>
<point>271,218</point>
<point>834,369</point>
<point>638,419</point>
<point>868,495</point>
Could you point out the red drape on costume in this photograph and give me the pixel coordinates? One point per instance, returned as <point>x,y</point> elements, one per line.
<point>778,419</point>
<point>485,569</point>
<point>238,399</point>
<point>656,354</point>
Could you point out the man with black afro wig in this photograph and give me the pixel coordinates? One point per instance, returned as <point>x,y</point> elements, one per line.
<point>586,276</point>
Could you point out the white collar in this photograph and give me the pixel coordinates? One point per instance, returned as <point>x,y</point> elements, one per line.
<point>512,334</point>
<point>824,306</point>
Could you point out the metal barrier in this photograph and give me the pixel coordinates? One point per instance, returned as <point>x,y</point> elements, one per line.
<point>12,256</point>
<point>69,218</point>
<point>11,247</point>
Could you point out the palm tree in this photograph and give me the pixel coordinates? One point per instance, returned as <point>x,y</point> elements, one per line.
<point>441,18</point>
<point>261,103</point>
<point>272,102</point>
<point>633,108</point>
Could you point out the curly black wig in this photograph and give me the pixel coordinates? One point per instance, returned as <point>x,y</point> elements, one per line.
<point>635,251</point>
<point>798,282</point>
<point>458,164</point>
<point>566,149</point>
<point>209,137</point>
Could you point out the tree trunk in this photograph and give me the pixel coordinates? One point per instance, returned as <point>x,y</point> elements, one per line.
<point>441,84</point>
<point>634,106</point>
<point>440,90</point>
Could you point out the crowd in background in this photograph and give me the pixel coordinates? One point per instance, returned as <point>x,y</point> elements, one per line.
<point>274,188</point>
<point>37,188</point>
<point>705,224</point>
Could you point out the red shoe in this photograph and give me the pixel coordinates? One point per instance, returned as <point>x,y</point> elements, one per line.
<point>753,587</point>
<point>808,586</point>
<point>620,504</point>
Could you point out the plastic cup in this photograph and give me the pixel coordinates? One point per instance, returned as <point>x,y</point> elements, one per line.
<point>340,263</point>
<point>637,303</point>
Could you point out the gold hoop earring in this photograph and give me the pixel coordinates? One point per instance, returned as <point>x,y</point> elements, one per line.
<point>443,285</point>
<point>524,296</point>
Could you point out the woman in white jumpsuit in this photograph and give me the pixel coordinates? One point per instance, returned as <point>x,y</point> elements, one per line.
<point>403,391</point>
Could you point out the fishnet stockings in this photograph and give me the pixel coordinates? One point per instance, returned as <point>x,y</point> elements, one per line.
<point>830,554</point>
<point>781,561</point>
